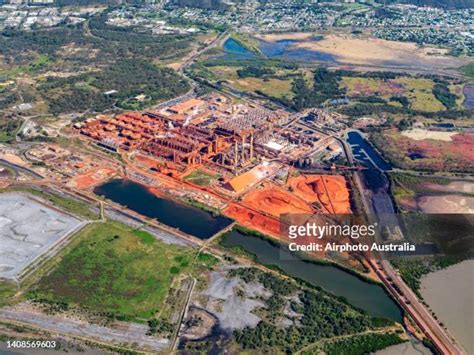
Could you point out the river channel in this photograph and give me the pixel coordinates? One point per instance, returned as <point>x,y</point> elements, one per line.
<point>374,177</point>
<point>365,295</point>
<point>138,198</point>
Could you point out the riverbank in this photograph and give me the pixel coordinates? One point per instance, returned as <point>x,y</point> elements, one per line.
<point>359,292</point>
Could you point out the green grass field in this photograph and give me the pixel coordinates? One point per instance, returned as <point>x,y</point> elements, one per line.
<point>417,90</point>
<point>7,290</point>
<point>200,178</point>
<point>115,270</point>
<point>468,70</point>
<point>271,87</point>
<point>9,129</point>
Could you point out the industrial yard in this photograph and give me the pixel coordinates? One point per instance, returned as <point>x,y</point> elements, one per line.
<point>156,157</point>
<point>247,154</point>
<point>29,230</point>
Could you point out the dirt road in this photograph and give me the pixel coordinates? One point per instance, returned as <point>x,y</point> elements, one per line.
<point>122,334</point>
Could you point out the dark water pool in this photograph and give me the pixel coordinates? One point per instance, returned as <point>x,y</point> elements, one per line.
<point>138,198</point>
<point>370,297</point>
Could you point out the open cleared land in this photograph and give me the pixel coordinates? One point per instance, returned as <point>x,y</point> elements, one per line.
<point>418,134</point>
<point>432,195</point>
<point>427,154</point>
<point>131,333</point>
<point>373,51</point>
<point>275,85</point>
<point>28,229</point>
<point>199,177</point>
<point>446,204</point>
<point>271,87</point>
<point>253,219</point>
<point>274,201</point>
<point>115,270</point>
<point>417,91</point>
<point>328,192</point>
<point>261,208</point>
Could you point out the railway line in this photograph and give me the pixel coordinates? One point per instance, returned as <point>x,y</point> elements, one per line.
<point>404,296</point>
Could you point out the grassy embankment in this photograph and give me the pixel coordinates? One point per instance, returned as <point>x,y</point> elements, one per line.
<point>247,42</point>
<point>200,178</point>
<point>241,251</point>
<point>117,271</point>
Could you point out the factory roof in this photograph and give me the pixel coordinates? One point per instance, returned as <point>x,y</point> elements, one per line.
<point>186,105</point>
<point>250,178</point>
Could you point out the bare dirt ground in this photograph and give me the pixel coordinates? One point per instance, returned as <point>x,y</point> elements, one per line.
<point>413,347</point>
<point>450,294</point>
<point>122,333</point>
<point>252,219</point>
<point>353,50</point>
<point>329,191</point>
<point>446,204</point>
<point>372,51</point>
<point>198,325</point>
<point>275,201</point>
<point>455,186</point>
<point>419,134</point>
<point>273,37</point>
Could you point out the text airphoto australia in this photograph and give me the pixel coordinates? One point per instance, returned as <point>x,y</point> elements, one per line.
<point>312,237</point>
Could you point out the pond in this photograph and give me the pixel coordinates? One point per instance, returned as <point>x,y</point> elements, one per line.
<point>235,51</point>
<point>138,198</point>
<point>283,49</point>
<point>365,153</point>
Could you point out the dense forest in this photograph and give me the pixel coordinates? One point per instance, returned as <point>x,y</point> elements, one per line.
<point>129,78</point>
<point>320,316</point>
<point>113,43</point>
<point>95,58</point>
<point>326,87</point>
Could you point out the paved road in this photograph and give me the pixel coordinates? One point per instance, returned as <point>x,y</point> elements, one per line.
<point>22,169</point>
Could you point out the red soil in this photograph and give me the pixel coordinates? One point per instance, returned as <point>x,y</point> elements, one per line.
<point>92,178</point>
<point>147,161</point>
<point>330,191</point>
<point>456,155</point>
<point>276,202</point>
<point>254,220</point>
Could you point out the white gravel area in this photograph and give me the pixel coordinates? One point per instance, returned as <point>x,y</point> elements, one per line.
<point>28,229</point>
<point>232,310</point>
